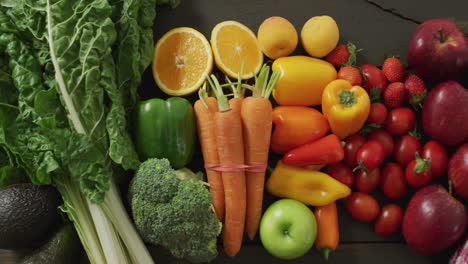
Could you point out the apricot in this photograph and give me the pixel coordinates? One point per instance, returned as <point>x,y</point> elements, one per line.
<point>277,37</point>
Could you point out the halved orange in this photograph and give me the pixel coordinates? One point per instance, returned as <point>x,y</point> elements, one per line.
<point>235,44</point>
<point>182,61</point>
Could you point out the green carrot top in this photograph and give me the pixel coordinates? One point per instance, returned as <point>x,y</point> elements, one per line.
<point>264,83</point>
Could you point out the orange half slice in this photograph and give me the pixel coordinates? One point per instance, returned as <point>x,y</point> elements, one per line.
<point>182,61</point>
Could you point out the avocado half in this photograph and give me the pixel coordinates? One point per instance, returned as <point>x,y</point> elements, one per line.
<point>28,215</point>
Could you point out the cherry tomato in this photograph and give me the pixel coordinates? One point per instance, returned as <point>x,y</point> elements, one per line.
<point>353,143</point>
<point>383,137</point>
<point>342,173</point>
<point>400,121</point>
<point>393,181</point>
<point>389,220</point>
<point>374,77</point>
<point>418,172</point>
<point>405,149</point>
<point>378,114</point>
<point>366,182</point>
<point>362,206</point>
<point>439,158</point>
<point>370,155</point>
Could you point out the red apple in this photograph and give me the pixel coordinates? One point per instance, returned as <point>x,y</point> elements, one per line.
<point>458,171</point>
<point>444,114</point>
<point>434,220</point>
<point>438,50</point>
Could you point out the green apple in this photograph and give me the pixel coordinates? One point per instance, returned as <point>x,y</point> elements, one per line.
<point>288,229</point>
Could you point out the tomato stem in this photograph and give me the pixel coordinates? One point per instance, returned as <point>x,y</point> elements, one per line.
<point>422,165</point>
<point>361,166</point>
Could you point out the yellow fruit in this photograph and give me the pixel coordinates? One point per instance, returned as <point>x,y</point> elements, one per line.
<point>182,61</point>
<point>302,80</point>
<point>319,36</point>
<point>235,45</point>
<point>277,37</point>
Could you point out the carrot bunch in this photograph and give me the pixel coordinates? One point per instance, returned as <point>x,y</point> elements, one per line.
<point>235,135</point>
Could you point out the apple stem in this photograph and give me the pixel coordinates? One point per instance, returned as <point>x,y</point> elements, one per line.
<point>326,253</point>
<point>450,187</point>
<point>442,36</point>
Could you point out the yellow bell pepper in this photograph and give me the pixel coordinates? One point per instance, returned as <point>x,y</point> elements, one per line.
<point>310,187</point>
<point>301,80</point>
<point>346,107</point>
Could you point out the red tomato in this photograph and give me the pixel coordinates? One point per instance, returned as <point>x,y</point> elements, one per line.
<point>378,114</point>
<point>374,77</point>
<point>366,182</point>
<point>405,149</point>
<point>393,181</point>
<point>370,155</point>
<point>400,121</point>
<point>383,137</point>
<point>389,220</point>
<point>418,172</point>
<point>342,173</point>
<point>353,143</point>
<point>439,158</point>
<point>362,207</point>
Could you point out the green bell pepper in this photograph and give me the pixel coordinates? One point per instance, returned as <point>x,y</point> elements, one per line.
<point>165,129</point>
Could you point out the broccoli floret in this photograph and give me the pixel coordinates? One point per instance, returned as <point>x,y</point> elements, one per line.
<point>174,212</point>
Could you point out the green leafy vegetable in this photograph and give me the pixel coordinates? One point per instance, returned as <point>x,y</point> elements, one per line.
<point>69,72</point>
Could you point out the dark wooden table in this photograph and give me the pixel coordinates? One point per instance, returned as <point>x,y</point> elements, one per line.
<point>378,27</point>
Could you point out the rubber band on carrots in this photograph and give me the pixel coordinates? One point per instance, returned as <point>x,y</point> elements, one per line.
<point>236,167</point>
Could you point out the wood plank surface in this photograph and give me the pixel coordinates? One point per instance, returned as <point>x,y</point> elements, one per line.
<point>379,27</point>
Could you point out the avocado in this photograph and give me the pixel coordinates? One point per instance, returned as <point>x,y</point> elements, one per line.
<point>63,247</point>
<point>28,215</point>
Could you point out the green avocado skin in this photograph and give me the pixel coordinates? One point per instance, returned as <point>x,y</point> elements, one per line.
<point>28,215</point>
<point>63,247</point>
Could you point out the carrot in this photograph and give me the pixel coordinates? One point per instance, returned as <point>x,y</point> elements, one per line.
<point>231,152</point>
<point>256,114</point>
<point>236,104</point>
<point>205,108</point>
<point>328,229</point>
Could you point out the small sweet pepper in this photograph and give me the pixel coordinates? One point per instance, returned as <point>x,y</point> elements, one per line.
<point>346,107</point>
<point>326,150</point>
<point>301,80</point>
<point>165,129</point>
<point>296,126</point>
<point>310,187</point>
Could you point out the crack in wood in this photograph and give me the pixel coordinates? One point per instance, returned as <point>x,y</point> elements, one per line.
<point>393,12</point>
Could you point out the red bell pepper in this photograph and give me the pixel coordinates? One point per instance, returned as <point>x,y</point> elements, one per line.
<point>326,150</point>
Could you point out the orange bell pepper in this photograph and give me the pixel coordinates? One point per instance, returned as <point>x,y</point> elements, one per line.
<point>346,107</point>
<point>296,126</point>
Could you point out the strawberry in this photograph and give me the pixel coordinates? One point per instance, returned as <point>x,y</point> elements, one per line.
<point>416,90</point>
<point>393,69</point>
<point>342,54</point>
<point>351,74</point>
<point>394,95</point>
